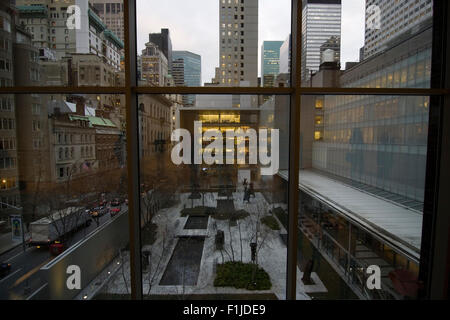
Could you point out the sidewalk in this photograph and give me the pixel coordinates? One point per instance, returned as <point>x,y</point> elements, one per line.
<point>7,244</point>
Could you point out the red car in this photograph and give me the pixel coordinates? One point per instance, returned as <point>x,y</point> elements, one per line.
<point>56,248</point>
<point>114,211</point>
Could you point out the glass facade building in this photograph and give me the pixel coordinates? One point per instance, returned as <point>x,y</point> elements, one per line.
<point>321,20</point>
<point>270,62</point>
<point>187,71</point>
<point>379,141</point>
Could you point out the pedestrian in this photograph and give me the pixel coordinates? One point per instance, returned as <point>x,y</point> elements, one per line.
<point>247,196</point>
<point>251,191</point>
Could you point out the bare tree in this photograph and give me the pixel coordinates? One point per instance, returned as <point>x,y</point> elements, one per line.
<point>159,251</point>
<point>231,240</point>
<point>258,233</point>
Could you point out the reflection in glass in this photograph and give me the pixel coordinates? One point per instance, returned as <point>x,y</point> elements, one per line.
<point>362,187</point>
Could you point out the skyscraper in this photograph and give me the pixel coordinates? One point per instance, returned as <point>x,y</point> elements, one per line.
<point>111,12</point>
<point>321,21</point>
<point>285,56</point>
<point>192,67</point>
<point>270,62</point>
<point>386,20</point>
<point>163,41</point>
<point>187,71</point>
<point>238,42</point>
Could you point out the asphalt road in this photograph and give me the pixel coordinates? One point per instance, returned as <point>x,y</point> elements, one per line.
<point>23,279</point>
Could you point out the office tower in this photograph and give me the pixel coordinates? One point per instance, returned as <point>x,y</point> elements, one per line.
<point>47,23</point>
<point>321,21</point>
<point>270,62</point>
<point>192,67</point>
<point>187,71</point>
<point>163,41</point>
<point>385,20</point>
<point>178,72</point>
<point>154,63</point>
<point>111,12</point>
<point>238,44</point>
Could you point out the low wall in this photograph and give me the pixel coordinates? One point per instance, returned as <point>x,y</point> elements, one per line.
<point>92,255</point>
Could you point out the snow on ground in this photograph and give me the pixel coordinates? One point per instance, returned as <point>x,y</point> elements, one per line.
<point>271,256</point>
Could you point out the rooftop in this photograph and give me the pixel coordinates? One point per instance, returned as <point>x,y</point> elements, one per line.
<point>34,9</point>
<point>396,225</point>
<point>102,122</point>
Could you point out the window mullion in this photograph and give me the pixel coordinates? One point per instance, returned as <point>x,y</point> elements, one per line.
<point>132,149</point>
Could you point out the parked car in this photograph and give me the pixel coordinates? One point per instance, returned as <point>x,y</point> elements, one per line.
<point>116,202</point>
<point>99,211</point>
<point>114,211</point>
<point>56,248</point>
<point>5,268</point>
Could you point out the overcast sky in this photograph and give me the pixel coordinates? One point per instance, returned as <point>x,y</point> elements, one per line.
<point>194,26</point>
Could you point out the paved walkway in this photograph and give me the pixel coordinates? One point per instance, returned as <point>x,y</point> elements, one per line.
<point>7,244</point>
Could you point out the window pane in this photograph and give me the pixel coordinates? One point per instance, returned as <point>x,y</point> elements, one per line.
<point>367,44</point>
<point>63,174</point>
<point>55,44</point>
<point>201,212</point>
<point>226,43</point>
<point>362,184</point>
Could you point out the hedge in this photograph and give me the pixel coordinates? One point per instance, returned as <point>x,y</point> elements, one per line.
<point>239,276</point>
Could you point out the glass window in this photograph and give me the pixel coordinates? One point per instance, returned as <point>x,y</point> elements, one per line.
<point>195,64</point>
<point>212,164</point>
<point>49,162</point>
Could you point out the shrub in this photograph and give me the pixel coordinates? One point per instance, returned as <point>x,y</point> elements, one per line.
<point>239,276</point>
<point>231,215</point>
<point>271,222</point>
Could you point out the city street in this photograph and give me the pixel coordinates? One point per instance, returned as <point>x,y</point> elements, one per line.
<point>23,279</point>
